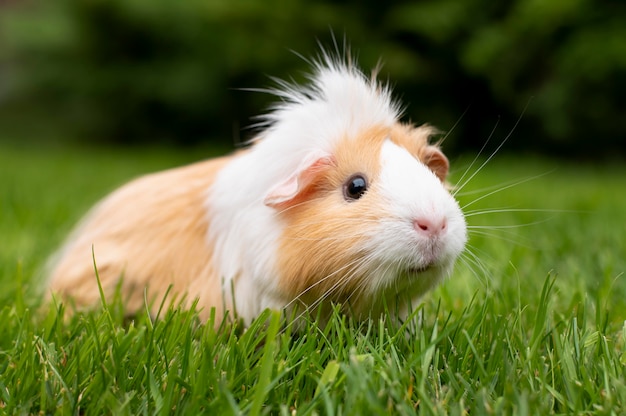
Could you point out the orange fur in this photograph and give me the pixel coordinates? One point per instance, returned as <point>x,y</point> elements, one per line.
<point>151,233</point>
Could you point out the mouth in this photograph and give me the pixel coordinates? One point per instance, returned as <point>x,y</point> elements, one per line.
<point>418,270</point>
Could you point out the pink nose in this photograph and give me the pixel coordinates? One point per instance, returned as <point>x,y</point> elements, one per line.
<point>430,227</point>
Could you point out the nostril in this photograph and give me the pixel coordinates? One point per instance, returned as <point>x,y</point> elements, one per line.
<point>430,227</point>
<point>423,225</point>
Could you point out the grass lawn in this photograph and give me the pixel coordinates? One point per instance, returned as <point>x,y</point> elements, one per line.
<point>531,322</point>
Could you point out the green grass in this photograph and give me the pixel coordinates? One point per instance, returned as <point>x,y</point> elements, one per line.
<point>537,327</point>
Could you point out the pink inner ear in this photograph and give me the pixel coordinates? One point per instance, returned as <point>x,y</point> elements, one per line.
<point>290,191</point>
<point>434,158</point>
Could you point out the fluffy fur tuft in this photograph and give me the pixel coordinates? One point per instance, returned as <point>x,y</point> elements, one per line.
<point>340,99</point>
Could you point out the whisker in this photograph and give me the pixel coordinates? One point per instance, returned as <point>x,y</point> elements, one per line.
<point>506,210</point>
<point>477,255</point>
<point>324,296</point>
<point>362,264</point>
<point>307,201</point>
<point>482,190</point>
<point>454,125</point>
<point>491,187</point>
<point>472,267</point>
<point>322,280</point>
<point>362,284</point>
<point>497,148</point>
<point>473,261</point>
<point>502,238</point>
<point>480,152</point>
<point>498,227</point>
<point>517,183</point>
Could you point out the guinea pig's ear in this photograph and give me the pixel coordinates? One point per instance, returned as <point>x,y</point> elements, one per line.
<point>436,161</point>
<point>294,188</point>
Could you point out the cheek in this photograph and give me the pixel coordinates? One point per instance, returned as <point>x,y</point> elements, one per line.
<point>325,247</point>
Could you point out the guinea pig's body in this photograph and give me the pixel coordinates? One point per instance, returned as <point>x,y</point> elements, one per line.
<point>335,201</point>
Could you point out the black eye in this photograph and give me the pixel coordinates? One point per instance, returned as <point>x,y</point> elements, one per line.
<point>355,187</point>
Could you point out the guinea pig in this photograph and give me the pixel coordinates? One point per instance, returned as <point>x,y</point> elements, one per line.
<point>335,201</point>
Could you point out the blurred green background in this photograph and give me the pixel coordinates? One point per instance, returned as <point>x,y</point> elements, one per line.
<point>175,72</point>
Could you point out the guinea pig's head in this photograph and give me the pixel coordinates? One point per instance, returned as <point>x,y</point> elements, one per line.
<point>367,221</point>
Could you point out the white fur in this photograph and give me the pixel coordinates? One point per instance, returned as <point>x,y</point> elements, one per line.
<point>340,102</point>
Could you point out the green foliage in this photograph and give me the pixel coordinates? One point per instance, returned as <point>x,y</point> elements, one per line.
<point>534,324</point>
<point>141,69</point>
<point>156,70</point>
